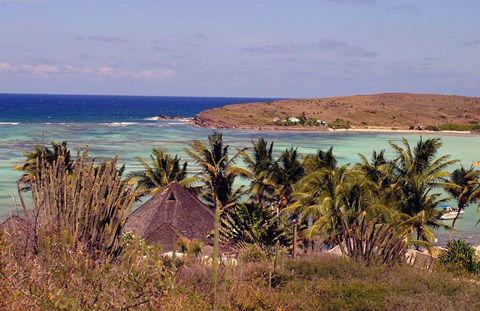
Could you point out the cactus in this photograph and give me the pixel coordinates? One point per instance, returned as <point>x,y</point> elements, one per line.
<point>374,242</point>
<point>89,204</point>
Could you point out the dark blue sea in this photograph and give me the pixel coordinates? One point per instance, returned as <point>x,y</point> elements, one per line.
<point>95,108</point>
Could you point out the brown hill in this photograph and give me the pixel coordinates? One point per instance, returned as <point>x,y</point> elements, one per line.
<point>391,110</point>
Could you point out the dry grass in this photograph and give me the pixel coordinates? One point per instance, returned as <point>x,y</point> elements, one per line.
<point>62,278</point>
<point>397,110</point>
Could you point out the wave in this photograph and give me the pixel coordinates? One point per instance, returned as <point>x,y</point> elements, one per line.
<point>152,119</point>
<point>10,123</point>
<point>177,119</point>
<point>119,123</point>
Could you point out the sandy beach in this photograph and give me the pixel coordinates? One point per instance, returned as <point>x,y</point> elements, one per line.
<point>217,124</point>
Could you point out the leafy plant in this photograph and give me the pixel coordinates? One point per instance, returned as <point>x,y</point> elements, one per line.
<point>460,256</point>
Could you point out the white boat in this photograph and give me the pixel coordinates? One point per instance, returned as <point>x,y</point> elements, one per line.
<point>450,213</point>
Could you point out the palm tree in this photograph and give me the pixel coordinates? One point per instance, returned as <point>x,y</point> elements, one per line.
<point>464,186</point>
<point>322,159</point>
<point>218,174</point>
<point>218,170</point>
<point>156,175</point>
<point>41,155</point>
<point>285,173</point>
<point>418,172</point>
<point>260,164</point>
<point>330,197</point>
<point>379,171</point>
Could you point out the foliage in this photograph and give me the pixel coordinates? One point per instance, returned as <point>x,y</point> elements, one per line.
<point>417,172</point>
<point>460,256</point>
<point>260,164</point>
<point>218,170</point>
<point>284,175</point>
<point>454,127</point>
<point>90,204</point>
<point>250,223</point>
<point>374,242</point>
<point>464,186</point>
<point>43,154</point>
<point>322,159</point>
<point>339,124</point>
<point>156,175</point>
<point>62,276</point>
<point>252,253</point>
<point>369,210</point>
<point>218,175</point>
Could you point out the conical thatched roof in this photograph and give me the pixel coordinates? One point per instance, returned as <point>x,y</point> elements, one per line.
<point>171,214</point>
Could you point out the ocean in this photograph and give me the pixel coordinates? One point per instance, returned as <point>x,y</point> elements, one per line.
<point>125,126</point>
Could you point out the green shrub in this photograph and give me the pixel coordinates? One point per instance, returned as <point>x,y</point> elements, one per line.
<point>252,253</point>
<point>340,124</point>
<point>432,128</point>
<point>460,256</point>
<point>459,127</point>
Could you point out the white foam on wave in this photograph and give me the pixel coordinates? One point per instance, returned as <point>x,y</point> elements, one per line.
<point>9,123</point>
<point>183,120</point>
<point>121,123</point>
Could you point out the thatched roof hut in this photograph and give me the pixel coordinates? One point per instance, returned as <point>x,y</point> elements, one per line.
<point>19,233</point>
<point>171,214</point>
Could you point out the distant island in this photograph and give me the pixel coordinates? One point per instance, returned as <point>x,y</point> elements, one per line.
<point>380,112</point>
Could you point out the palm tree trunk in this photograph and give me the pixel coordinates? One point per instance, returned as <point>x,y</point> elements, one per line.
<point>419,236</point>
<point>454,220</point>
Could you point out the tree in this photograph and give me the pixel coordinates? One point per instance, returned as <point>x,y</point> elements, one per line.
<point>285,173</point>
<point>418,172</point>
<point>464,186</point>
<point>218,174</point>
<point>218,170</point>
<point>330,198</point>
<point>260,164</point>
<point>322,159</point>
<point>378,170</point>
<point>156,175</point>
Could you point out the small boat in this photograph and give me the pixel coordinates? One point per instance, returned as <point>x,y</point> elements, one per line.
<point>450,213</point>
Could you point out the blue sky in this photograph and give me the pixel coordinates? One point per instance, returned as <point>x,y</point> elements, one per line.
<point>249,48</point>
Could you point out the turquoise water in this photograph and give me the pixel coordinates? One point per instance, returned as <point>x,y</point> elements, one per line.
<point>137,139</point>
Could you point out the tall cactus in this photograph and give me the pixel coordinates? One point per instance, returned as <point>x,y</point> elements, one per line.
<point>91,204</point>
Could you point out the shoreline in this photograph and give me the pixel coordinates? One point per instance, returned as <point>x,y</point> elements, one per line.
<point>268,128</point>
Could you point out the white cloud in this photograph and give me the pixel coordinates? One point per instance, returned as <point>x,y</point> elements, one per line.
<point>344,48</point>
<point>273,48</point>
<point>72,71</point>
<point>44,69</point>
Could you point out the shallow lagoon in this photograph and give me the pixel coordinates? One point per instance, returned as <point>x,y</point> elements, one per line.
<point>137,139</point>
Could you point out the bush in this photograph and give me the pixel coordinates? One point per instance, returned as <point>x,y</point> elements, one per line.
<point>340,124</point>
<point>432,128</point>
<point>460,256</point>
<point>252,253</point>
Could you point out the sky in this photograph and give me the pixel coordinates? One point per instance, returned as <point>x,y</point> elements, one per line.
<point>248,48</point>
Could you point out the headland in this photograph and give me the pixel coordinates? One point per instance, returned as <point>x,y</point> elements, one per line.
<point>389,112</point>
